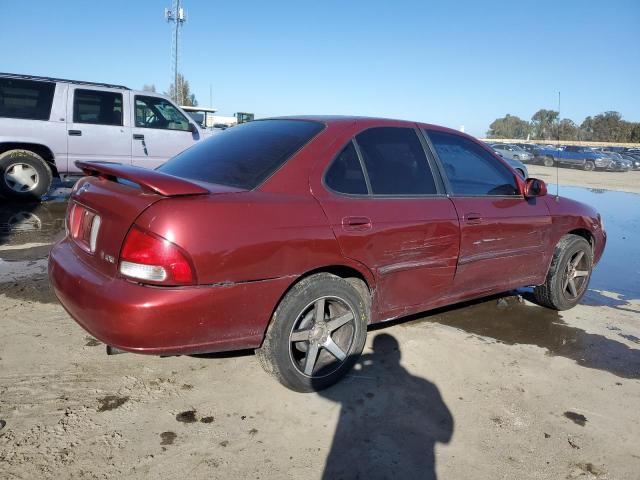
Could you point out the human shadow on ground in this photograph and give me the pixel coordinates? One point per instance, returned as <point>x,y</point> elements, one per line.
<point>390,420</point>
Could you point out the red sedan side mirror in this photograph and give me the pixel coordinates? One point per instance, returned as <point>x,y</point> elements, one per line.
<point>535,188</point>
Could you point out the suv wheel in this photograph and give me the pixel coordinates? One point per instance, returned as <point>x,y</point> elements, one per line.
<point>548,161</point>
<point>316,334</point>
<point>568,275</point>
<point>24,175</point>
<point>589,165</point>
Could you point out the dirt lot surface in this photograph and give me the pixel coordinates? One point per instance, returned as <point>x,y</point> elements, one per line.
<point>499,388</point>
<point>619,181</point>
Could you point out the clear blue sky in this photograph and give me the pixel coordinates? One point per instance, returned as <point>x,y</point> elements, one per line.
<point>450,63</point>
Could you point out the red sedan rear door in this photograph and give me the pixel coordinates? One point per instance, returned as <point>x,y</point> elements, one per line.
<point>388,210</point>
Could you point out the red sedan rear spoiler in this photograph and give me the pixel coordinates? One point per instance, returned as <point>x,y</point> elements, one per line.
<point>150,180</point>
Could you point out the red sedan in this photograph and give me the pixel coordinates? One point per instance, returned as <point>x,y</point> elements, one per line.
<point>291,235</point>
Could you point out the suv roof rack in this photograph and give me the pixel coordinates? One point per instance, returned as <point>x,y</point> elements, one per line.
<point>51,79</point>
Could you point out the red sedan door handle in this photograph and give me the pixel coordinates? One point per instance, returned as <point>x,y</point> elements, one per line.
<point>473,218</point>
<point>356,223</point>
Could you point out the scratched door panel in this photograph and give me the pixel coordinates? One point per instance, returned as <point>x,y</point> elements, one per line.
<point>411,245</point>
<point>504,243</point>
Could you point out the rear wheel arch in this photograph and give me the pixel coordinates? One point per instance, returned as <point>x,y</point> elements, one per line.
<point>363,282</point>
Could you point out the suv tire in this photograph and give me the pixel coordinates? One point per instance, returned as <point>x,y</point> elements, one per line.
<point>316,334</point>
<point>568,276</point>
<point>589,165</point>
<point>548,161</point>
<point>24,175</point>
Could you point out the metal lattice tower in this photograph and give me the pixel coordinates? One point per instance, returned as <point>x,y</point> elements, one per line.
<point>176,15</point>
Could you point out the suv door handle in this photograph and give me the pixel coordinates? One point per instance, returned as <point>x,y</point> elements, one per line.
<point>473,218</point>
<point>356,223</point>
<point>138,136</point>
<point>75,133</point>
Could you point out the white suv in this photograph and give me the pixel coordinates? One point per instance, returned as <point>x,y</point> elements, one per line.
<point>47,124</point>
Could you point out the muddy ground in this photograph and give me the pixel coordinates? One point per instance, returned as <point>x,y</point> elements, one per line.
<point>498,388</point>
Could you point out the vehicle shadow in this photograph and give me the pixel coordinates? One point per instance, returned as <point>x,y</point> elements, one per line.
<point>390,420</point>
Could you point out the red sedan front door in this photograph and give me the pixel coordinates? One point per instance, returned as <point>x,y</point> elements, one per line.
<point>504,236</point>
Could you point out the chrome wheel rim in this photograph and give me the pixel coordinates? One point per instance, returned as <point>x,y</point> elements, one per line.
<point>322,336</point>
<point>21,177</point>
<point>576,275</point>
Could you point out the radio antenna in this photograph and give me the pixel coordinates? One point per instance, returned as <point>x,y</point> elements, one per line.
<point>558,146</point>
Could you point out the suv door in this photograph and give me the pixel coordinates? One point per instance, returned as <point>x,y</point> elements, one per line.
<point>160,131</point>
<point>504,236</point>
<point>97,125</point>
<point>388,211</point>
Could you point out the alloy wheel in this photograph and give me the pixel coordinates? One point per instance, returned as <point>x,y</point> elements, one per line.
<point>576,276</point>
<point>322,336</point>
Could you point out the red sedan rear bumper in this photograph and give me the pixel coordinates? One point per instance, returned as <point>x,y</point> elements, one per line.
<point>162,320</point>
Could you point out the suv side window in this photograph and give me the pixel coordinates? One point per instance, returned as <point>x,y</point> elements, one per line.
<point>26,99</point>
<point>395,162</point>
<point>472,170</point>
<point>345,174</point>
<point>156,112</point>
<point>97,107</point>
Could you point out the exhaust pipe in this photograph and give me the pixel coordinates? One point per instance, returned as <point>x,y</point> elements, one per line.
<point>114,351</point>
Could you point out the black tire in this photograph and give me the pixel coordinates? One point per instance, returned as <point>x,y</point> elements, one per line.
<point>589,166</point>
<point>556,292</point>
<point>18,166</point>
<point>284,357</point>
<point>548,161</point>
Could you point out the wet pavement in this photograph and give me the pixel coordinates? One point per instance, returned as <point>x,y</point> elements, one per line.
<point>512,321</point>
<point>615,283</point>
<point>27,232</point>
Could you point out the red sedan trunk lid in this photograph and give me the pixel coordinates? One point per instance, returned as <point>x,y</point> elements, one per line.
<point>118,194</point>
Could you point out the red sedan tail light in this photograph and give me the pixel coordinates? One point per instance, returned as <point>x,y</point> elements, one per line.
<point>152,259</point>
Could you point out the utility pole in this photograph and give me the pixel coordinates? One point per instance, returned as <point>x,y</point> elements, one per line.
<point>176,15</point>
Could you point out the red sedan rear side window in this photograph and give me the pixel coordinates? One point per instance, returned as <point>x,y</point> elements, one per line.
<point>243,156</point>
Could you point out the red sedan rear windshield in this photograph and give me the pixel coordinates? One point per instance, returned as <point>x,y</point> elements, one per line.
<point>243,156</point>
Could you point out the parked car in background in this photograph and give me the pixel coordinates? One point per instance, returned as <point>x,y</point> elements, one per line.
<point>581,157</point>
<point>519,167</point>
<point>633,158</point>
<point>47,124</point>
<point>513,152</point>
<point>528,147</point>
<point>292,235</point>
<point>619,163</point>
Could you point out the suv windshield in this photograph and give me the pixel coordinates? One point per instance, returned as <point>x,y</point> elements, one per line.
<point>243,156</point>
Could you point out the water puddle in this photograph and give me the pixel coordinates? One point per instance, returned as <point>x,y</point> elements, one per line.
<point>619,268</point>
<point>30,223</point>
<point>513,322</point>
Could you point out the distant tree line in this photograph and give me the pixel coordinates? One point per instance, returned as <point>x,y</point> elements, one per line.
<point>546,124</point>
